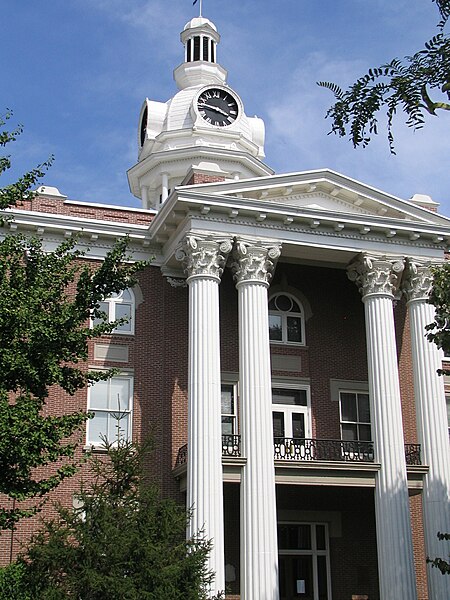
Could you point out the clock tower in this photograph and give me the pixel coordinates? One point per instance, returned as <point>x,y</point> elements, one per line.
<point>202,133</point>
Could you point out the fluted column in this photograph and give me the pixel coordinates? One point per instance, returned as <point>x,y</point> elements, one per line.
<point>204,259</point>
<point>431,423</point>
<point>253,268</point>
<point>378,279</point>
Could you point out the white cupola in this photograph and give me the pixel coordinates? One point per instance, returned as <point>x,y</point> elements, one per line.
<point>203,129</point>
<point>200,39</point>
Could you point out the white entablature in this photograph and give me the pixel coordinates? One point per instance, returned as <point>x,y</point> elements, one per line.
<point>318,217</point>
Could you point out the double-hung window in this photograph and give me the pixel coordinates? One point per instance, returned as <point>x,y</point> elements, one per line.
<point>111,402</point>
<point>355,416</point>
<point>228,397</point>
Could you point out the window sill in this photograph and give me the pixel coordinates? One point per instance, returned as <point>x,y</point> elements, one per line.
<point>290,344</point>
<point>95,449</point>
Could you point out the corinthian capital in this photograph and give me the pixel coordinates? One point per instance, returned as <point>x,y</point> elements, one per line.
<point>418,281</point>
<point>203,256</point>
<point>376,275</point>
<point>254,261</point>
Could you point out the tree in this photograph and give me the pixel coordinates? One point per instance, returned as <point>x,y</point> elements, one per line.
<point>439,331</point>
<point>12,194</point>
<point>47,300</point>
<point>124,541</point>
<point>407,84</point>
<point>440,563</point>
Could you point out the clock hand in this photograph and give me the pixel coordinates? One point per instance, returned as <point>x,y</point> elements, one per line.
<point>214,108</point>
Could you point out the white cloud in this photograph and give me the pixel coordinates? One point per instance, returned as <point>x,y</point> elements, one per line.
<point>297,137</point>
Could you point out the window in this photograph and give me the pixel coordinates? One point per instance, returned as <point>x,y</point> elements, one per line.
<point>196,48</point>
<point>229,409</point>
<point>290,413</point>
<point>355,416</point>
<point>111,402</point>
<point>291,421</point>
<point>304,561</point>
<point>286,320</point>
<point>117,307</point>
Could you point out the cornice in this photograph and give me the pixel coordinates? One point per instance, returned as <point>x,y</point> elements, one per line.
<point>314,178</point>
<point>96,234</point>
<point>190,154</point>
<point>189,203</point>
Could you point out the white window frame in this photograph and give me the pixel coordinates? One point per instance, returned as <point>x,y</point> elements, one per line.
<point>116,300</point>
<point>288,409</point>
<point>284,316</point>
<point>447,403</point>
<point>98,443</point>
<point>233,415</point>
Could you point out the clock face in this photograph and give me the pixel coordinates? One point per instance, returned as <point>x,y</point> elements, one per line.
<point>218,107</point>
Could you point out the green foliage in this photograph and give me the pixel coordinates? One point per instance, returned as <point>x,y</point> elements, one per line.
<point>400,84</point>
<point>124,541</point>
<point>12,583</point>
<point>440,563</point>
<point>12,194</point>
<point>46,302</point>
<point>439,331</point>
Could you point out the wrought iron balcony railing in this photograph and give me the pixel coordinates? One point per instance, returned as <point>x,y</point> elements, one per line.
<point>305,449</point>
<point>325,450</point>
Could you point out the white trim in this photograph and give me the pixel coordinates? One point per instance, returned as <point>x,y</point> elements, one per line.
<point>284,316</point>
<point>112,302</point>
<point>289,409</point>
<point>122,375</point>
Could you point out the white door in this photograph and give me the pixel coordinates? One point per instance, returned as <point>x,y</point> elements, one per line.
<point>291,413</point>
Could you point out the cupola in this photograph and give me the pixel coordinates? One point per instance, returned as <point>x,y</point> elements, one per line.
<point>200,39</point>
<point>202,132</point>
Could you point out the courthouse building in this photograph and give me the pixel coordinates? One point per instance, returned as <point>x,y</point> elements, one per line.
<point>276,349</point>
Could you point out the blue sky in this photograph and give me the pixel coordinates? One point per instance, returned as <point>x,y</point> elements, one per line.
<point>75,72</point>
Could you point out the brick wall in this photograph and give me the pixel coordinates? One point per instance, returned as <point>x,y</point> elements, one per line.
<point>59,206</point>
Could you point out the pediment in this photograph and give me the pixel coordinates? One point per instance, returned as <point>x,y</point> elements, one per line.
<point>327,192</point>
<point>321,202</point>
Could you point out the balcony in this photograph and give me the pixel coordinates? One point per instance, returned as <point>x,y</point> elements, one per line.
<point>307,450</point>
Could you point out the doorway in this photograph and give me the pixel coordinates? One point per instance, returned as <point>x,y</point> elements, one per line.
<point>303,561</point>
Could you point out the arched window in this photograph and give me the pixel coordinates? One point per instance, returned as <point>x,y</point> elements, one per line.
<point>118,306</point>
<point>286,320</point>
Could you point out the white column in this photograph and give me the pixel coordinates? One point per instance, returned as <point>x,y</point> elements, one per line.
<point>164,187</point>
<point>431,423</point>
<point>144,196</point>
<point>204,259</point>
<point>378,279</point>
<point>253,268</point>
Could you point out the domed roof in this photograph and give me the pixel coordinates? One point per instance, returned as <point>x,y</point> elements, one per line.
<point>199,22</point>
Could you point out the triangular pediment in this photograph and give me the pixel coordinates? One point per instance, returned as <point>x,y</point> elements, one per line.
<point>321,202</point>
<point>323,191</point>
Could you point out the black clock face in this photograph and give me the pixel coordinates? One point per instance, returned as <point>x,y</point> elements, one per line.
<point>217,107</point>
